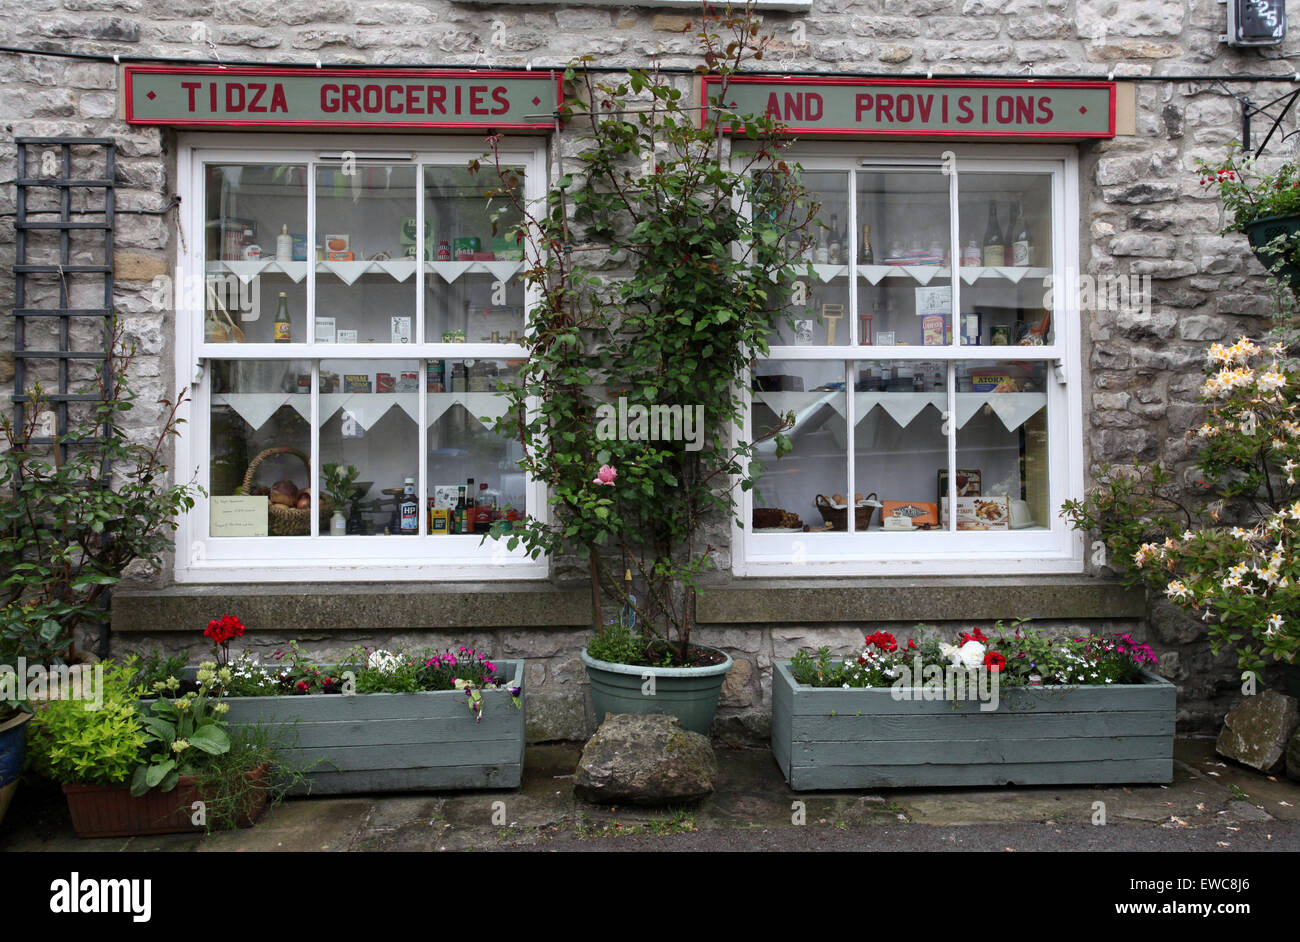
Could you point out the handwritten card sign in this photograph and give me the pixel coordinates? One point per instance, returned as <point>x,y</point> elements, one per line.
<point>238,516</point>
<point>933,299</point>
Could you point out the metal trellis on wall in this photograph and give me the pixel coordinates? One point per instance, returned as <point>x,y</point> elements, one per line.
<point>72,179</point>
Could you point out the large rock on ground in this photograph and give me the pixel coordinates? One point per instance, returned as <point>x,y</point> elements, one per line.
<point>1256,732</point>
<point>645,760</point>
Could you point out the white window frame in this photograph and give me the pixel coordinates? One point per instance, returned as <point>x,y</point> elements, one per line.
<point>200,558</point>
<point>1059,549</point>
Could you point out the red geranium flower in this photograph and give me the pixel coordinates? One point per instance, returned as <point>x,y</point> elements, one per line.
<point>224,629</point>
<point>994,661</point>
<point>883,640</point>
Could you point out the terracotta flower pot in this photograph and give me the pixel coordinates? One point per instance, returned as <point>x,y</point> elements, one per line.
<point>112,811</point>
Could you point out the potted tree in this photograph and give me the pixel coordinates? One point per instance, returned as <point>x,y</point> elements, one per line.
<point>662,266</point>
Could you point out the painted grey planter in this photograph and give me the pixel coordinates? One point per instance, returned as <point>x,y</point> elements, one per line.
<point>688,693</point>
<point>392,742</point>
<point>826,738</point>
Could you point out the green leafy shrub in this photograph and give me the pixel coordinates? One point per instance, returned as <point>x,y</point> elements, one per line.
<point>71,744</point>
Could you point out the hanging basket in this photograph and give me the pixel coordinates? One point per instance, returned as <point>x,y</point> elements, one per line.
<point>281,520</point>
<point>1261,232</point>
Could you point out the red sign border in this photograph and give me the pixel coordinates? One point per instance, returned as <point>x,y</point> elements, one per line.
<point>133,70</point>
<point>778,80</point>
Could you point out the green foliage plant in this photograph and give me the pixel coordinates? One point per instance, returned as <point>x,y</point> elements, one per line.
<point>71,744</point>
<point>69,528</point>
<point>662,262</point>
<point>184,731</point>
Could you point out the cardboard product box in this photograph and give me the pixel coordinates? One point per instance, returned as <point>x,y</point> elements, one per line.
<point>980,513</point>
<point>385,383</point>
<point>921,513</point>
<point>445,495</point>
<point>356,383</point>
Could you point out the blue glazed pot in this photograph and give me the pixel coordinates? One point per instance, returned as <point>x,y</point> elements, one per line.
<point>13,747</point>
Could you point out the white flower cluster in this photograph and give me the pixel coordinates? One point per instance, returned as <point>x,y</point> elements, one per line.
<point>383,662</point>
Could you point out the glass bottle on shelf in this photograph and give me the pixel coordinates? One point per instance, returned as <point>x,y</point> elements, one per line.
<point>1021,250</point>
<point>409,509</point>
<point>458,523</point>
<point>835,252</point>
<point>994,247</point>
<point>469,506</point>
<point>284,245</point>
<point>283,333</point>
<point>823,254</point>
<point>868,257</point>
<point>971,256</point>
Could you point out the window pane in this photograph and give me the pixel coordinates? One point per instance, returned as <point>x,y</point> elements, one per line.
<point>820,303</point>
<point>365,285</point>
<point>462,406</point>
<point>473,291</point>
<point>369,415</point>
<point>786,495</point>
<point>900,446</point>
<point>903,267</point>
<point>1006,229</point>
<point>255,249</point>
<point>1002,446</point>
<point>260,448</point>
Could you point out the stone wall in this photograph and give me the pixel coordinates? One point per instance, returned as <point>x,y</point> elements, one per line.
<point>1142,210</point>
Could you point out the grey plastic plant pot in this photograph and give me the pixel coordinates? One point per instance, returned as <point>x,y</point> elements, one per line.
<point>688,693</point>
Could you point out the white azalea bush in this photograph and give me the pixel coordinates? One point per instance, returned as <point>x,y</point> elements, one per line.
<point>1229,553</point>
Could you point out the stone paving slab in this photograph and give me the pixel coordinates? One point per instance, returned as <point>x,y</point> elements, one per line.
<point>751,797</point>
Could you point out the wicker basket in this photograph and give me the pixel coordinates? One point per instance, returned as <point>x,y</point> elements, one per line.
<point>282,520</point>
<point>838,517</point>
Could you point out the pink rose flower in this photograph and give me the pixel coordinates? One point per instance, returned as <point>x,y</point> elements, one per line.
<point>605,475</point>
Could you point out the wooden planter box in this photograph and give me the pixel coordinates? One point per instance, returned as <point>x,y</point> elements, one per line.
<point>831,738</point>
<point>382,742</point>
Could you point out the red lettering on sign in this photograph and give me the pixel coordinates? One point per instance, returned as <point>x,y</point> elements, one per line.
<point>437,98</point>
<point>1024,110</point>
<point>904,103</point>
<point>1045,110</point>
<point>413,99</point>
<point>233,103</point>
<point>965,115</point>
<point>884,108</point>
<point>260,89</point>
<point>924,104</point>
<point>329,98</point>
<point>1004,109</point>
<point>862,103</point>
<point>813,106</point>
<point>499,96</point>
<point>191,87</point>
<point>389,92</point>
<point>458,111</point>
<point>212,93</point>
<point>372,99</point>
<point>278,101</point>
<point>793,107</point>
<point>985,101</point>
<point>351,98</point>
<point>476,105</point>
